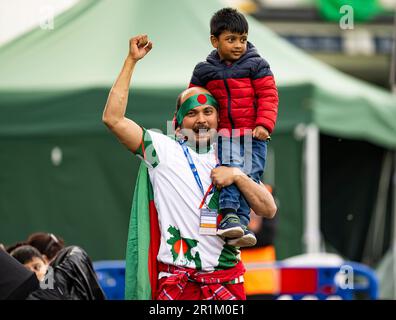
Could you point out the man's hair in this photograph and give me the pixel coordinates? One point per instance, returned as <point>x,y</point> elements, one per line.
<point>26,253</point>
<point>228,19</point>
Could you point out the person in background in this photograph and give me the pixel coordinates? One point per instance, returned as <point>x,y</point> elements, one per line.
<point>260,280</point>
<point>32,259</point>
<point>16,281</point>
<point>73,273</point>
<point>47,243</point>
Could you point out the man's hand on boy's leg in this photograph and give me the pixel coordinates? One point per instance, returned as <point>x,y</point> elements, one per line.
<point>224,176</point>
<point>260,133</point>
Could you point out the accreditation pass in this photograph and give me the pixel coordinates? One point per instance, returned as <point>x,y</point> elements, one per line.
<point>208,222</point>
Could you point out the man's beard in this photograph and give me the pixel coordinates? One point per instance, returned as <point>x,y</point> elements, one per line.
<point>200,136</point>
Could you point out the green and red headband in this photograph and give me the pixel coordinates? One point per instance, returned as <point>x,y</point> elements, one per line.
<point>192,102</point>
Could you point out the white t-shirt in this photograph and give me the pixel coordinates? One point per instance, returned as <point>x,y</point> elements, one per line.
<point>177,198</point>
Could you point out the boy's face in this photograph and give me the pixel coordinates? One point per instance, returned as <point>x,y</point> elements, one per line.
<point>38,266</point>
<point>230,46</point>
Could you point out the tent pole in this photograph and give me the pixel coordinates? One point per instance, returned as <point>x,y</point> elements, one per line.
<point>311,198</point>
<point>375,237</point>
<point>393,88</point>
<point>392,74</point>
<point>393,245</point>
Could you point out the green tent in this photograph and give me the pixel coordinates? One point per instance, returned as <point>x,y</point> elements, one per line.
<point>363,10</point>
<point>63,172</point>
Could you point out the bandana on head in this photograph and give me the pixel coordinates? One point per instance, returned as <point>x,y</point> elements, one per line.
<point>194,101</point>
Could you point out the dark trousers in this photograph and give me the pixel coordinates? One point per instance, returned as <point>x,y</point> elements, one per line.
<point>248,154</point>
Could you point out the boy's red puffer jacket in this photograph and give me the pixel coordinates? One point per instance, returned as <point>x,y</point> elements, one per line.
<point>245,90</point>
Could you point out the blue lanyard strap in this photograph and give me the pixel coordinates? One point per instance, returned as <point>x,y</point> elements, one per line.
<point>192,166</point>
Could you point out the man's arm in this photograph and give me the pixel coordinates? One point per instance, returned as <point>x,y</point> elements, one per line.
<point>259,198</point>
<point>126,130</point>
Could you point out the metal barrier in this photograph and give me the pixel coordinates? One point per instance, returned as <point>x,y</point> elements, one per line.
<point>348,281</point>
<point>111,276</point>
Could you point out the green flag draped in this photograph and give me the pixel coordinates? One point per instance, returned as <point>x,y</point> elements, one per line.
<point>139,258</point>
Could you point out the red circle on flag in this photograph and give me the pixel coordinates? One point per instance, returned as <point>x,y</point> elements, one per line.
<point>180,243</point>
<point>202,99</point>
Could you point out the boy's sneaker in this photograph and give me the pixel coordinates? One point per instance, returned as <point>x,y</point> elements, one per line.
<point>247,240</point>
<point>230,227</point>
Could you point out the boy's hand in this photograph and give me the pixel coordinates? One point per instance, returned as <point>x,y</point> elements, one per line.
<point>260,133</point>
<point>139,46</point>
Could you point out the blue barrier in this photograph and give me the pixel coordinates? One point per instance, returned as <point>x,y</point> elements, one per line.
<point>348,281</point>
<point>111,276</point>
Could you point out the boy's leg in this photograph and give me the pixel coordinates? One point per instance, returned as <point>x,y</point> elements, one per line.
<point>255,157</point>
<point>229,154</point>
<point>259,158</point>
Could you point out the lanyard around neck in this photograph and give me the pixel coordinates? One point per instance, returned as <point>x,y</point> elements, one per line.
<point>196,174</point>
<point>192,166</point>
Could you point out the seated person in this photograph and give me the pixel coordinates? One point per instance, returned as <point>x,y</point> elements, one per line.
<point>47,243</point>
<point>73,275</point>
<point>31,258</point>
<point>16,281</point>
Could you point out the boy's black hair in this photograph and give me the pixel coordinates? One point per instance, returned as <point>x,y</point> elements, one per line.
<point>228,19</point>
<point>25,254</point>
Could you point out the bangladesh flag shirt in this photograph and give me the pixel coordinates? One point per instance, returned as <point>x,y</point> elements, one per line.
<point>177,198</point>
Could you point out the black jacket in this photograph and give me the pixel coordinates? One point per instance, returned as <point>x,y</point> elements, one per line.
<point>16,282</point>
<point>74,278</point>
